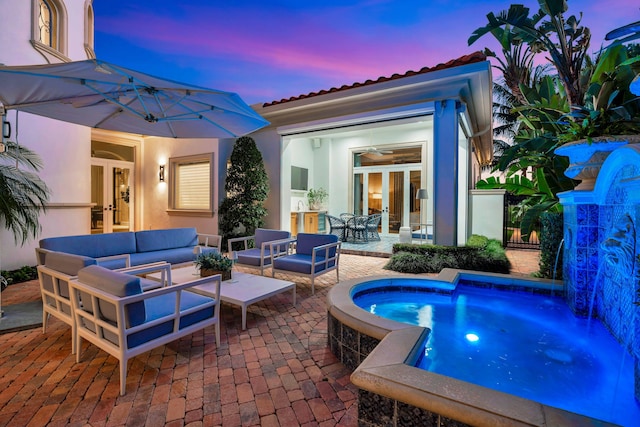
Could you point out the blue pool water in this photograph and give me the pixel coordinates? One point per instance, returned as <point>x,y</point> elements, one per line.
<point>527,345</point>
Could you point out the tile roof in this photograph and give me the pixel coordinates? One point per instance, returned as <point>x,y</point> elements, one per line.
<point>463,60</point>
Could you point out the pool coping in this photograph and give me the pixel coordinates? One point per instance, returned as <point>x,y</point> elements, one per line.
<point>388,369</point>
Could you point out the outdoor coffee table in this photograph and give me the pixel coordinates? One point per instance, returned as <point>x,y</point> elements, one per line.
<point>242,290</point>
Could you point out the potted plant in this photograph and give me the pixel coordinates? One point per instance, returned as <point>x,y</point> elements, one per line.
<point>210,263</point>
<point>316,198</point>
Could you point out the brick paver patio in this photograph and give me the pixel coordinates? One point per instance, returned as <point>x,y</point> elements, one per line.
<point>279,372</point>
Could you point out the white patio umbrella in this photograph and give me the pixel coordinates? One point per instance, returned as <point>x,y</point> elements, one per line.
<point>102,95</point>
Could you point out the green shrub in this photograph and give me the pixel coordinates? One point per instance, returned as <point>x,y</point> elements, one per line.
<point>20,275</point>
<point>407,262</point>
<point>550,239</point>
<point>480,254</point>
<point>477,241</point>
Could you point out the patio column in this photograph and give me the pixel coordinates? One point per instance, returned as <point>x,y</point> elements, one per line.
<point>445,173</point>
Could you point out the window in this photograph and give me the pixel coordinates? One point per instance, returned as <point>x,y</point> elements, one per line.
<point>49,29</point>
<point>47,24</point>
<point>191,188</point>
<point>88,32</point>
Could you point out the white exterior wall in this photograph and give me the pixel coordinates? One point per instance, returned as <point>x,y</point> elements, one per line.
<point>64,148</point>
<point>155,194</point>
<point>487,213</point>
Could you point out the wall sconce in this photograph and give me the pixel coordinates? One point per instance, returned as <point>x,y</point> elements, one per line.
<point>161,174</point>
<point>377,196</point>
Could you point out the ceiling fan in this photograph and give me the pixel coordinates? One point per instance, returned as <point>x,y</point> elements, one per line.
<point>373,151</point>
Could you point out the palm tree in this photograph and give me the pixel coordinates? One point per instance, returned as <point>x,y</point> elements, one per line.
<point>564,40</point>
<point>23,195</point>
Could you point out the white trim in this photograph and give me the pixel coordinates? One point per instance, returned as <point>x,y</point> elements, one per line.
<point>397,113</point>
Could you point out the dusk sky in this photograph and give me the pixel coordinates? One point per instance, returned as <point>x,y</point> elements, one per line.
<point>269,50</point>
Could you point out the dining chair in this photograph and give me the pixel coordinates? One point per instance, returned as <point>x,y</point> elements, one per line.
<point>373,222</point>
<point>357,227</point>
<point>337,226</point>
<point>346,217</point>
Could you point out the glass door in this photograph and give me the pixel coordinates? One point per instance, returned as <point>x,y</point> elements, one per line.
<point>386,192</point>
<point>111,196</point>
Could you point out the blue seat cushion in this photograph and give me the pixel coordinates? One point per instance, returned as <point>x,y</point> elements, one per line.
<point>252,257</point>
<point>307,241</point>
<point>92,245</point>
<point>299,263</point>
<point>164,305</point>
<point>157,240</point>
<point>117,284</point>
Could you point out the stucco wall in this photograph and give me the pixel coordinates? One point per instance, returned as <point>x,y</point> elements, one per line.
<point>157,151</point>
<point>64,148</point>
<point>487,213</point>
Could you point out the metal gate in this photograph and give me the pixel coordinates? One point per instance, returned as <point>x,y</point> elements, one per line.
<point>512,214</point>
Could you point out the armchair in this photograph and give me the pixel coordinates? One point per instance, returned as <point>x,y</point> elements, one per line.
<point>59,268</point>
<point>113,313</point>
<point>258,257</point>
<point>314,254</point>
<point>54,278</point>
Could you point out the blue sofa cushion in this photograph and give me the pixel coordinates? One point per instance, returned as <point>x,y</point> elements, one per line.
<point>265,235</point>
<point>92,245</point>
<point>252,257</point>
<point>164,305</point>
<point>307,241</point>
<point>172,256</point>
<point>157,240</point>
<point>117,284</point>
<point>299,264</point>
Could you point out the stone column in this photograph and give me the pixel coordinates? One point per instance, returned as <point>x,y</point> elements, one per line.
<point>445,174</point>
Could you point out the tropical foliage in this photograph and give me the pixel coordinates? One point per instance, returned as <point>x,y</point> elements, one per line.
<point>246,187</point>
<point>585,99</point>
<point>23,195</point>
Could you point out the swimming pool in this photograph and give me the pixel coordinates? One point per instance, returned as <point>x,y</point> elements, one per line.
<point>528,345</point>
<point>384,353</point>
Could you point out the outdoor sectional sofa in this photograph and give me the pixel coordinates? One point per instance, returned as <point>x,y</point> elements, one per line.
<point>118,250</point>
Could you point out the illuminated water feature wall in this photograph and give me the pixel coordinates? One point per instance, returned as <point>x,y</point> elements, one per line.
<point>601,219</point>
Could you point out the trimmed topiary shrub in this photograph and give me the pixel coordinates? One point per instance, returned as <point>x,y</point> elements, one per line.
<point>480,254</point>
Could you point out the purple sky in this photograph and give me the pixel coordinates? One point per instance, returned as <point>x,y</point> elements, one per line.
<point>269,50</point>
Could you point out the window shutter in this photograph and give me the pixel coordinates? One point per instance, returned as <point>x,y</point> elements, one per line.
<point>193,184</point>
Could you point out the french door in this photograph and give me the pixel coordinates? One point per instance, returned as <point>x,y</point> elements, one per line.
<point>111,196</point>
<point>387,191</point>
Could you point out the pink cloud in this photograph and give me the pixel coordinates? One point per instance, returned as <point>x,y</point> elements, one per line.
<point>312,45</point>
